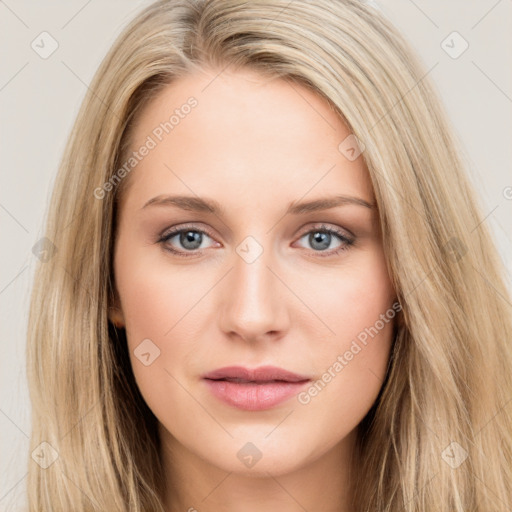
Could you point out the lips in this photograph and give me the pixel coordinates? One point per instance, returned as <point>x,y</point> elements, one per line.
<point>254,389</point>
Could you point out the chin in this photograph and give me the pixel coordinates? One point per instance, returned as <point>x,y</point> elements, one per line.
<point>276,465</point>
<point>261,457</point>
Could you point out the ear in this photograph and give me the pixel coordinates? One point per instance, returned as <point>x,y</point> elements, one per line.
<point>115,313</point>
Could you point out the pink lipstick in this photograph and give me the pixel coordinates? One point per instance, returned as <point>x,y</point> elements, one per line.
<point>254,389</point>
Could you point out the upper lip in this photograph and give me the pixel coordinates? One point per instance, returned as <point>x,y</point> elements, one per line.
<point>261,374</point>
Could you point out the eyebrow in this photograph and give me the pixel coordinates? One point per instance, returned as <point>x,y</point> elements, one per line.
<point>198,204</point>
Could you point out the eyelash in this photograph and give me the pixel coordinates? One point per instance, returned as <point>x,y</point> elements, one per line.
<point>347,242</point>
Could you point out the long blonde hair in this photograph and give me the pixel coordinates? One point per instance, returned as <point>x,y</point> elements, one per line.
<point>439,436</point>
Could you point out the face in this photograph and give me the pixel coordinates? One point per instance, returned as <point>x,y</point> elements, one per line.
<point>226,255</point>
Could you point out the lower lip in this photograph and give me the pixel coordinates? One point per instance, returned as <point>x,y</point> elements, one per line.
<point>252,396</point>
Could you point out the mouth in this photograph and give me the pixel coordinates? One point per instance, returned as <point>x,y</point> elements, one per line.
<point>254,390</point>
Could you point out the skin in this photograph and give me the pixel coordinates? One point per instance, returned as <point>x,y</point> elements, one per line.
<point>256,146</point>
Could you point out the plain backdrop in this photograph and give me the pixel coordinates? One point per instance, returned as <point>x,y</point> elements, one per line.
<point>40,97</point>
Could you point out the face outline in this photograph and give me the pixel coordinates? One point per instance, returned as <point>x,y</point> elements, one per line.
<point>255,147</point>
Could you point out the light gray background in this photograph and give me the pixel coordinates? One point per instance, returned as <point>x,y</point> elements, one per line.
<point>39,99</point>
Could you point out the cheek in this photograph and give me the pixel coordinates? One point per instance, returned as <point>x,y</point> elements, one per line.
<point>160,305</point>
<point>156,296</point>
<point>351,297</point>
<point>352,363</point>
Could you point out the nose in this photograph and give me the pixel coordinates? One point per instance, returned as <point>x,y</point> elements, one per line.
<point>253,306</point>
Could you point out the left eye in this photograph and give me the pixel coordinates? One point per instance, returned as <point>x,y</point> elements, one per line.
<point>321,239</point>
<point>190,239</point>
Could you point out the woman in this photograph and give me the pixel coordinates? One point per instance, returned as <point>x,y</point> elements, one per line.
<point>271,286</point>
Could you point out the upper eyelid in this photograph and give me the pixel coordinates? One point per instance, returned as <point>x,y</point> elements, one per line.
<point>325,227</point>
<point>177,229</point>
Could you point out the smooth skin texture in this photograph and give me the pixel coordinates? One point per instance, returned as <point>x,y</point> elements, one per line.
<point>256,146</point>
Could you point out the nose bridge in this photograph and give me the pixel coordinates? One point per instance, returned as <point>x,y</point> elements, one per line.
<point>253,305</point>
<point>253,280</point>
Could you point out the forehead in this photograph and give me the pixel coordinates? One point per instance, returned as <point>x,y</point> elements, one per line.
<point>243,100</point>
<point>244,132</point>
